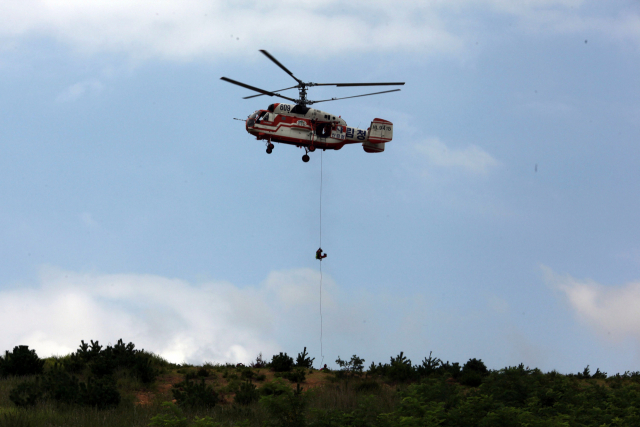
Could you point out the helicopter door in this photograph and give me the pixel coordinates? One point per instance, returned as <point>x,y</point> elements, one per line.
<point>323,130</point>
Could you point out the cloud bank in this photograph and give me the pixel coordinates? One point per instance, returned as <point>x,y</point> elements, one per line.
<point>211,321</point>
<point>610,310</point>
<point>214,321</point>
<point>207,29</point>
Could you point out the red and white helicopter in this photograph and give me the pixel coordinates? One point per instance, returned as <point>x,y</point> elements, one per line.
<point>296,124</point>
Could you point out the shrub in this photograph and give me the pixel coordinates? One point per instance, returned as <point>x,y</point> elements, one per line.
<point>86,353</point>
<point>125,355</point>
<point>229,375</point>
<point>281,362</point>
<point>276,387</point>
<point>471,379</point>
<point>15,419</point>
<point>195,395</point>
<point>58,385</point>
<point>514,385</point>
<point>259,362</point>
<point>351,368</point>
<point>203,372</point>
<point>61,387</point>
<point>104,364</point>
<point>143,369</point>
<point>400,368</point>
<point>26,394</point>
<point>472,373</point>
<point>247,373</point>
<point>172,416</point>
<point>452,369</point>
<point>599,375</point>
<point>287,409</point>
<point>303,361</point>
<point>232,386</point>
<point>73,363</point>
<point>475,365</point>
<point>295,376</point>
<point>20,362</point>
<point>100,393</point>
<point>430,365</point>
<point>247,394</point>
<point>367,386</point>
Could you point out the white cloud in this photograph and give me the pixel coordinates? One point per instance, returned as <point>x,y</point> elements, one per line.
<point>199,28</point>
<point>610,310</point>
<point>472,158</point>
<point>207,29</point>
<point>211,321</point>
<point>77,90</point>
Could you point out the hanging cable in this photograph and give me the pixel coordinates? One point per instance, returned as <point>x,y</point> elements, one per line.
<point>321,352</point>
<point>321,199</point>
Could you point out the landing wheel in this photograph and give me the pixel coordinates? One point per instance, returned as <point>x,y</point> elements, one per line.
<point>312,148</point>
<point>269,150</point>
<point>305,158</point>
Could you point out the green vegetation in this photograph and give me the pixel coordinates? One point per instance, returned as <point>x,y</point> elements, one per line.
<point>303,360</point>
<point>281,362</point>
<point>21,361</point>
<point>195,395</point>
<point>119,385</point>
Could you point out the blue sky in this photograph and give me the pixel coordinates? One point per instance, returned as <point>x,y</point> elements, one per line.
<point>500,223</point>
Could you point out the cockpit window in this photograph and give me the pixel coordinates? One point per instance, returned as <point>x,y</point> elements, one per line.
<point>260,116</point>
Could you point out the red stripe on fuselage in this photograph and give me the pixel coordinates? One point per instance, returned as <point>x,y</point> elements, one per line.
<point>270,132</point>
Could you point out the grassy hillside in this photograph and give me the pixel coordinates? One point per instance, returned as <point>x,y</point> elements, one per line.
<point>122,386</point>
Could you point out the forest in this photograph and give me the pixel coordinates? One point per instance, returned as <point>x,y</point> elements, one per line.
<point>119,385</point>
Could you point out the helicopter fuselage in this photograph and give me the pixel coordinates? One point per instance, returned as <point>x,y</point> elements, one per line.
<point>311,128</point>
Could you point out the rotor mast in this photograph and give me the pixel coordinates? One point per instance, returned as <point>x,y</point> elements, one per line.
<point>303,95</point>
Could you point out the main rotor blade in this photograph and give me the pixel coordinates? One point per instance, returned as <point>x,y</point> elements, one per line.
<point>279,90</point>
<point>360,84</point>
<point>262,91</point>
<point>356,96</point>
<point>268,55</point>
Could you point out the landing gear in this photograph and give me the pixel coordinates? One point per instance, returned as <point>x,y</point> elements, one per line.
<point>270,147</point>
<point>305,158</point>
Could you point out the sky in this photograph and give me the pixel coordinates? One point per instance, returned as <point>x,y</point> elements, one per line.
<point>501,223</point>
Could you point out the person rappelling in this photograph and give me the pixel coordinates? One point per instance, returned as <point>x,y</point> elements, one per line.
<point>320,255</point>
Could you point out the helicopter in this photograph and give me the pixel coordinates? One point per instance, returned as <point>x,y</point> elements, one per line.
<point>309,128</point>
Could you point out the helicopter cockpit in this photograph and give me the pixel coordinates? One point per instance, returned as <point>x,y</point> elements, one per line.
<point>262,115</point>
<point>251,120</point>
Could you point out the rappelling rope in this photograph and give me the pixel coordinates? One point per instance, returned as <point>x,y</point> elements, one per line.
<point>321,352</point>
